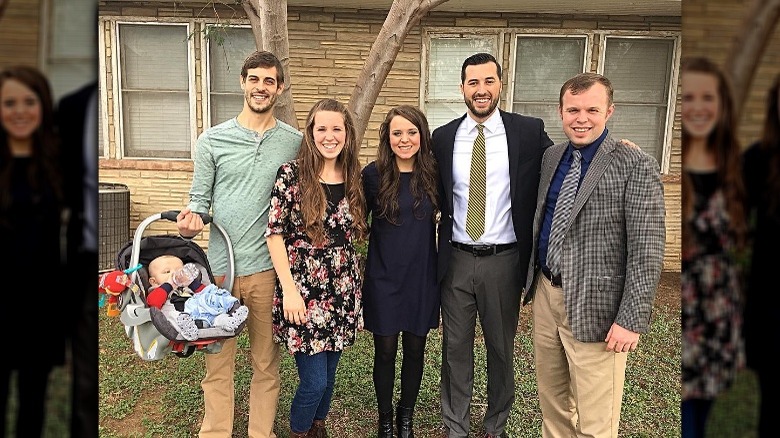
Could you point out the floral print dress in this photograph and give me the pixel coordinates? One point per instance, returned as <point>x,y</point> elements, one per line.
<point>327,276</point>
<point>712,349</point>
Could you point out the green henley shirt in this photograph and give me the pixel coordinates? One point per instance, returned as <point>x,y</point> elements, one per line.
<point>235,170</point>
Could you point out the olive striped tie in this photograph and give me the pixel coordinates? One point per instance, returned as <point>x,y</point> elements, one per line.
<point>475,214</point>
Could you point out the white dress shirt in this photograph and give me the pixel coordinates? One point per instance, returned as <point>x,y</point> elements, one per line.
<point>498,206</point>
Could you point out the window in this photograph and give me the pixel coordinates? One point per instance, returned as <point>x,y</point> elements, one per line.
<point>542,65</point>
<point>154,86</point>
<point>443,99</point>
<point>71,43</point>
<point>640,72</point>
<point>228,48</point>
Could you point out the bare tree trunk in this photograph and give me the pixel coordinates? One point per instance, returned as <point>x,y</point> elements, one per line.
<point>254,21</point>
<point>751,41</point>
<point>269,26</point>
<point>402,17</point>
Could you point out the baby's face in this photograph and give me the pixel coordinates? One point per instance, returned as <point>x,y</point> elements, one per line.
<point>162,268</point>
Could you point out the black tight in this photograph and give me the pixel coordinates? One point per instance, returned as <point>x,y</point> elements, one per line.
<point>385,349</point>
<point>31,384</point>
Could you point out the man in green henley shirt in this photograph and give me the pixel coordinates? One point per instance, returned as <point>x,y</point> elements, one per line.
<point>235,168</point>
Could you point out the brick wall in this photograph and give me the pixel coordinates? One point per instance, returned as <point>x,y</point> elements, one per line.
<point>710,27</point>
<point>328,48</point>
<point>20,33</point>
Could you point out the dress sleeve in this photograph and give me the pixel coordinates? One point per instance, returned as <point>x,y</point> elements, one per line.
<point>282,195</point>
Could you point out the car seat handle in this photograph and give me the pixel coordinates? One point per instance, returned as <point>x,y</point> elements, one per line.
<point>171,216</point>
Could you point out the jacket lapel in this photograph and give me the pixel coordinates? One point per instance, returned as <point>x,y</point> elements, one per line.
<point>445,160</point>
<point>513,149</point>
<point>595,171</point>
<point>551,164</point>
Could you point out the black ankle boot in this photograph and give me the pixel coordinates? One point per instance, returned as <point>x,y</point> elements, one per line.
<point>403,421</point>
<point>385,429</point>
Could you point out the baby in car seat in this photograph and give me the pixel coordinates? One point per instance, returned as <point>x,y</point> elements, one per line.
<point>183,305</point>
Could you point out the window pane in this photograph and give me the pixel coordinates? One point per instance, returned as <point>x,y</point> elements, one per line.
<point>639,69</point>
<point>155,91</point>
<point>71,61</point>
<point>445,61</point>
<point>225,107</point>
<point>228,48</point>
<point>70,75</point>
<point>154,57</point>
<point>644,125</point>
<point>152,127</point>
<point>546,112</point>
<point>543,64</point>
<point>441,113</point>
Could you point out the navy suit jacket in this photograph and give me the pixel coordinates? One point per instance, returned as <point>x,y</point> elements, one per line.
<point>526,141</point>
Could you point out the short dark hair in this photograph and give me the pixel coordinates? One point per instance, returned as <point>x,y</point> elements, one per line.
<point>583,82</point>
<point>479,59</point>
<point>263,59</point>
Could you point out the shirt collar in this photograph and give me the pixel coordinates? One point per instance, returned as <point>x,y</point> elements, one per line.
<point>491,124</point>
<point>590,150</point>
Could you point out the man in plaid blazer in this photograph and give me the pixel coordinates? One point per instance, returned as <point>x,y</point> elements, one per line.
<point>589,310</point>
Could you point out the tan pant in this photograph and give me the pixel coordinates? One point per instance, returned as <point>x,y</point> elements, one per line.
<point>580,384</point>
<point>257,291</point>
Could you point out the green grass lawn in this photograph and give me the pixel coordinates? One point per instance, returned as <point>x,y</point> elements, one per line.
<point>163,398</point>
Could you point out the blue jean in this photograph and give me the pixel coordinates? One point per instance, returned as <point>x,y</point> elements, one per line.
<point>695,413</point>
<point>317,374</point>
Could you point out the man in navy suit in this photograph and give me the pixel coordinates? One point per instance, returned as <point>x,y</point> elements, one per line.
<point>77,122</point>
<point>483,274</point>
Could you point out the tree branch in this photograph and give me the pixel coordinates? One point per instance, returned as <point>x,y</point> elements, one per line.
<point>254,21</point>
<point>402,17</point>
<point>749,46</point>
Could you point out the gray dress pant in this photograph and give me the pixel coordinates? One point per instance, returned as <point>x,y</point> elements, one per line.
<point>488,287</point>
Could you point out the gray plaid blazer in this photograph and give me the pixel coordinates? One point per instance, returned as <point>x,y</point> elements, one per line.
<point>614,247</point>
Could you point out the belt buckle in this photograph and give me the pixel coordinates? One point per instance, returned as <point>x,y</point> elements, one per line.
<point>480,250</point>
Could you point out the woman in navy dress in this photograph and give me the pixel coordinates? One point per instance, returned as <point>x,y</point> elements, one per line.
<point>401,294</point>
<point>31,214</point>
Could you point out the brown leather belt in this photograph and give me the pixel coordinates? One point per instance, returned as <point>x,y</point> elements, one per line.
<point>555,281</point>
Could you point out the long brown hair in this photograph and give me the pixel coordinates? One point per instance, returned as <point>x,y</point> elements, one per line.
<point>770,143</point>
<point>43,172</point>
<point>311,163</point>
<point>424,173</point>
<point>723,142</point>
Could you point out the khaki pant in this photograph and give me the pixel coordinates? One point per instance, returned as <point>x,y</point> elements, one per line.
<point>580,384</point>
<point>257,291</point>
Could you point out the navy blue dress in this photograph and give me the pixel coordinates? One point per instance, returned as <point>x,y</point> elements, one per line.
<point>400,292</point>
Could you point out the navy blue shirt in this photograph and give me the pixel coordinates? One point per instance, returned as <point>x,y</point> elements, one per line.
<point>555,187</point>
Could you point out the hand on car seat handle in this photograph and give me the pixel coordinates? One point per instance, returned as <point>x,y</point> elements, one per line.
<point>189,223</point>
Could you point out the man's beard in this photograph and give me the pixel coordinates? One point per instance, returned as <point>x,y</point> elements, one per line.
<point>487,112</point>
<point>263,109</point>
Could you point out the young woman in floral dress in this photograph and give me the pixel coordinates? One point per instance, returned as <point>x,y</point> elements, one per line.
<point>316,218</point>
